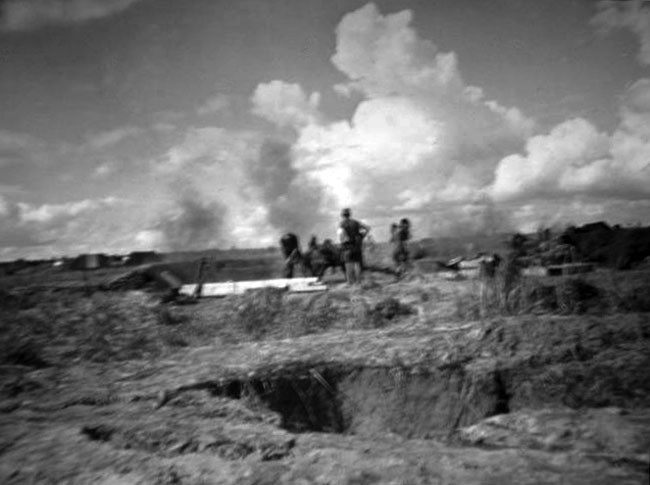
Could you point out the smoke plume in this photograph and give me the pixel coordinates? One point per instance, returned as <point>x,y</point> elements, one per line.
<point>292,201</point>
<point>194,224</point>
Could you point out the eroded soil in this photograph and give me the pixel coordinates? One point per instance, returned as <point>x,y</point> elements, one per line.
<point>422,399</point>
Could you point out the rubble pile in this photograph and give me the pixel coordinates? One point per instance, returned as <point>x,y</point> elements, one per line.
<point>598,243</point>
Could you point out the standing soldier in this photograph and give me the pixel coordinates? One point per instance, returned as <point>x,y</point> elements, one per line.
<point>291,252</point>
<point>313,244</point>
<point>400,235</point>
<point>351,233</point>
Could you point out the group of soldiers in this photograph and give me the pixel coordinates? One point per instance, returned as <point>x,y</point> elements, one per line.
<point>347,255</point>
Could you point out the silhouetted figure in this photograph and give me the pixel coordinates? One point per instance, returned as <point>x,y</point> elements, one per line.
<point>400,235</point>
<point>291,251</point>
<point>331,256</point>
<point>313,243</point>
<point>351,233</point>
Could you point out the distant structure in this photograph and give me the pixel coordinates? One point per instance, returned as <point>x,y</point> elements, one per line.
<point>137,258</point>
<point>90,261</point>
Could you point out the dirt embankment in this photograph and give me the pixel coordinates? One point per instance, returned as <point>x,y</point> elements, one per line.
<point>369,397</point>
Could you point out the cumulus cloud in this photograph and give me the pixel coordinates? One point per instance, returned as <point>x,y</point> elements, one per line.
<point>43,230</point>
<point>18,15</point>
<point>285,104</point>
<point>419,136</point>
<point>575,158</point>
<point>573,147</point>
<point>633,15</point>
<point>54,213</point>
<point>421,142</point>
<point>12,232</point>
<point>385,143</point>
<point>383,55</point>
<point>576,172</point>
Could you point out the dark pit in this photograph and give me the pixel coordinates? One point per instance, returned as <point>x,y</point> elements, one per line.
<point>414,403</point>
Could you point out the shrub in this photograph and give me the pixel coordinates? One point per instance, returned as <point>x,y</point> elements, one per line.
<point>261,313</point>
<point>380,314</point>
<point>320,314</point>
<point>575,295</point>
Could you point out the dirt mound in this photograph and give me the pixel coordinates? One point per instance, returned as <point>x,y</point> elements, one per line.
<point>348,386</point>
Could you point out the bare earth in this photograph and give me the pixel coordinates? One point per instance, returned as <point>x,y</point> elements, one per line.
<point>338,388</point>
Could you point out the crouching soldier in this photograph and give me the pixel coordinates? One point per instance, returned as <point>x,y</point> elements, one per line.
<point>291,253</point>
<point>330,256</point>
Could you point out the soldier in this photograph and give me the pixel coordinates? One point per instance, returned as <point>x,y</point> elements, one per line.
<point>331,258</point>
<point>351,233</point>
<point>400,235</point>
<point>313,243</point>
<point>291,252</point>
<point>490,292</point>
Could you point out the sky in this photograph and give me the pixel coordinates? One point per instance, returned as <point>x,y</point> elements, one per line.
<point>157,124</point>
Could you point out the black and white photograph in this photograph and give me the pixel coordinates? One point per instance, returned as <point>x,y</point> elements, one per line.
<point>333,242</point>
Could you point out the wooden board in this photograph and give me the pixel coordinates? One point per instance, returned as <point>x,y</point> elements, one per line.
<point>296,285</point>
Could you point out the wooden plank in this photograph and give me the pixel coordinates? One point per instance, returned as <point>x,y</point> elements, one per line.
<point>299,285</point>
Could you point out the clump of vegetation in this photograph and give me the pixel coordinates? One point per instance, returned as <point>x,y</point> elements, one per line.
<point>258,312</point>
<point>262,313</point>
<point>64,327</point>
<point>269,313</point>
<point>567,295</point>
<point>319,315</point>
<point>389,308</point>
<point>379,314</point>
